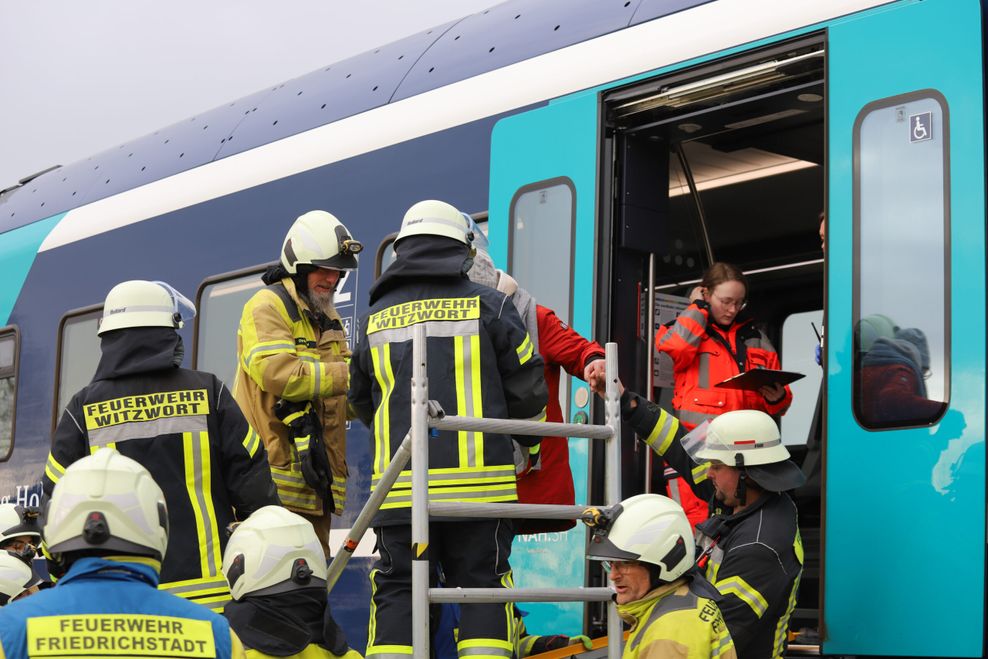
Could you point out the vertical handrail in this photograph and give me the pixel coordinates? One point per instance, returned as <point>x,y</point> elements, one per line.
<point>612,478</point>
<point>650,369</point>
<point>420,495</point>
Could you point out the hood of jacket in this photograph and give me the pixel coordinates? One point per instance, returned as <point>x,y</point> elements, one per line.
<point>139,350</point>
<point>424,257</point>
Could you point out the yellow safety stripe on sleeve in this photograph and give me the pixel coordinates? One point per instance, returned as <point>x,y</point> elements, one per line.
<point>797,546</point>
<point>338,490</point>
<point>541,416</point>
<point>782,626</point>
<point>485,648</point>
<point>722,644</point>
<point>745,592</point>
<point>525,350</point>
<point>381,359</point>
<point>265,349</point>
<point>292,489</point>
<point>293,416</point>
<point>197,482</point>
<point>699,472</point>
<point>663,432</point>
<point>197,587</point>
<point>53,469</point>
<point>302,443</point>
<point>388,651</point>
<point>252,441</point>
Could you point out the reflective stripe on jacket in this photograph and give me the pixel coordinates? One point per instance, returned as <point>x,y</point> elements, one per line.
<point>755,556</point>
<point>481,362</point>
<point>674,621</point>
<point>185,428</point>
<point>106,607</point>
<point>282,354</point>
<point>700,361</point>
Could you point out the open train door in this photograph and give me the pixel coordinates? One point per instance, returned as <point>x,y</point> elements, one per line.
<point>543,202</point>
<point>904,530</point>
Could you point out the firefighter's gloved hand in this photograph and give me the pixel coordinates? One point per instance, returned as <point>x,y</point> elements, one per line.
<point>305,431</point>
<point>555,642</point>
<point>527,458</point>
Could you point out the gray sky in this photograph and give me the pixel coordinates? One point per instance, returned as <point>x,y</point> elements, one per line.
<point>80,77</point>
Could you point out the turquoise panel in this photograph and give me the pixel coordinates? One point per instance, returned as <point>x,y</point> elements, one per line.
<point>18,248</point>
<point>559,140</point>
<point>904,533</point>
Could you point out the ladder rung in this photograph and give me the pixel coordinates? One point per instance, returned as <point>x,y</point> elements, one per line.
<point>494,595</point>
<point>510,510</point>
<point>520,427</point>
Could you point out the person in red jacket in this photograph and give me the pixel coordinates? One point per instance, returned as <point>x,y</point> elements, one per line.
<point>709,342</point>
<point>548,479</point>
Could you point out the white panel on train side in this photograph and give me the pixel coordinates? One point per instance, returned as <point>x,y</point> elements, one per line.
<point>692,33</point>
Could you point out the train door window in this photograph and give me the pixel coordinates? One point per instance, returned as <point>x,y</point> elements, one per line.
<point>901,263</point>
<point>78,355</point>
<point>220,303</point>
<point>800,340</point>
<point>540,243</point>
<point>8,389</point>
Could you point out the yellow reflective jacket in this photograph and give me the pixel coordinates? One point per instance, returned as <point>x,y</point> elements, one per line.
<point>281,353</point>
<point>311,651</point>
<point>677,621</point>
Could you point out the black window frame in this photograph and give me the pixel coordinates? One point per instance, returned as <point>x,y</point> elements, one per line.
<point>212,280</point>
<point>68,316</point>
<point>12,330</point>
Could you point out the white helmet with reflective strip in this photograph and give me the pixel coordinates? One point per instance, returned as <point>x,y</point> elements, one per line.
<point>16,521</point>
<point>139,303</point>
<point>107,501</point>
<point>318,239</point>
<point>750,440</point>
<point>648,528</point>
<point>273,551</point>
<point>436,218</point>
<point>15,577</point>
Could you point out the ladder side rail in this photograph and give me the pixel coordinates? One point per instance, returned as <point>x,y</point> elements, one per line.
<point>420,495</point>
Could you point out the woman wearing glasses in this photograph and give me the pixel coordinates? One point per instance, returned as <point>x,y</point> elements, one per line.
<point>710,341</point>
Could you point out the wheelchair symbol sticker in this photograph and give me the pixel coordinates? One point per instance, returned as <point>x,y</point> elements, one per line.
<point>921,127</point>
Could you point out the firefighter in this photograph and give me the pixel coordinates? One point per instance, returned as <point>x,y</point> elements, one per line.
<point>647,548</point>
<point>292,376</point>
<point>106,529</point>
<point>17,580</point>
<point>182,425</point>
<point>751,547</point>
<point>277,574</point>
<point>481,362</point>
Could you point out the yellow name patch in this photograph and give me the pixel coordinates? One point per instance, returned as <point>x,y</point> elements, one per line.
<point>148,407</point>
<point>420,311</point>
<point>119,635</point>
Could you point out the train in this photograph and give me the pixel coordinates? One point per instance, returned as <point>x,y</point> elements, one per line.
<point>612,149</point>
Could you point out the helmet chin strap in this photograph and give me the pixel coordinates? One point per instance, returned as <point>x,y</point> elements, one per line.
<point>742,490</point>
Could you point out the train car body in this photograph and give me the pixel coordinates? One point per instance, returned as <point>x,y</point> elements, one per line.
<point>616,147</point>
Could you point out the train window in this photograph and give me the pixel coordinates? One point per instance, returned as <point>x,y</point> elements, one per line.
<point>901,263</point>
<point>220,303</point>
<point>800,339</point>
<point>544,214</point>
<point>8,389</point>
<point>78,355</point>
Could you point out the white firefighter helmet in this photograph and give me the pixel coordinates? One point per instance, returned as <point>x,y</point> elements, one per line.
<point>318,239</point>
<point>17,521</point>
<point>750,440</point>
<point>139,303</point>
<point>436,218</point>
<point>107,501</point>
<point>648,528</point>
<point>273,551</point>
<point>15,577</point>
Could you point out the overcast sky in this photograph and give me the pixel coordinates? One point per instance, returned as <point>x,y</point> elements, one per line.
<point>80,77</point>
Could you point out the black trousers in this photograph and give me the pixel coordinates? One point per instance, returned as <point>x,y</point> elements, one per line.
<point>472,554</point>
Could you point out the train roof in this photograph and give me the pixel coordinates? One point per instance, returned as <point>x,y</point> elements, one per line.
<point>507,33</point>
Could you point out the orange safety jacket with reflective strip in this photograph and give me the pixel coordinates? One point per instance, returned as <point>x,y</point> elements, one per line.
<point>703,354</point>
<point>183,427</point>
<point>281,353</point>
<point>481,362</point>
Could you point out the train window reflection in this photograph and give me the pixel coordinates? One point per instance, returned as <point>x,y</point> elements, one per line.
<point>220,305</point>
<point>901,263</point>
<point>78,355</point>
<point>8,390</point>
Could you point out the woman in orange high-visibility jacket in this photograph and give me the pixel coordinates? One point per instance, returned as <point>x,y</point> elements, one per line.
<point>709,342</point>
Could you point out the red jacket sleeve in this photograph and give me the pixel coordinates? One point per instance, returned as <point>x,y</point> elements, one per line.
<point>683,337</point>
<point>561,345</point>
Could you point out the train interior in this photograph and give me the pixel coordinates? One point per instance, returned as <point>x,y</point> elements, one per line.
<point>723,162</point>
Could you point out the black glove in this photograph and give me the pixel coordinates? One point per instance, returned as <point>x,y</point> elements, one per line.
<point>305,431</point>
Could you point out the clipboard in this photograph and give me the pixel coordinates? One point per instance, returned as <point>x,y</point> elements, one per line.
<point>756,378</point>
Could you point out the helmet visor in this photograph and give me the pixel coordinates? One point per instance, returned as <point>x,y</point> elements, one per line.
<point>182,306</point>
<point>695,441</point>
<point>480,240</point>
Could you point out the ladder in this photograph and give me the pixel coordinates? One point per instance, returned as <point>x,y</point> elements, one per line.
<point>425,414</point>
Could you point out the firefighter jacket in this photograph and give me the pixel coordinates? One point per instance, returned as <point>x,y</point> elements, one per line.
<point>678,620</point>
<point>753,557</point>
<point>183,427</point>
<point>287,352</point>
<point>704,353</point>
<point>105,607</point>
<point>560,347</point>
<point>481,362</point>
